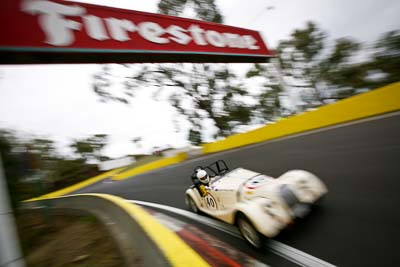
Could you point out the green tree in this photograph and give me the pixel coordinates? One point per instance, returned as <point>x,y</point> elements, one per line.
<point>310,68</point>
<point>198,92</point>
<point>313,72</point>
<point>12,164</point>
<point>90,148</point>
<point>65,172</point>
<point>41,153</point>
<point>36,157</point>
<point>205,10</point>
<point>380,69</point>
<point>271,91</point>
<point>386,59</point>
<point>102,84</point>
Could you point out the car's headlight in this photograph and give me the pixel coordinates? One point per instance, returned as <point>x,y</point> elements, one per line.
<point>288,195</point>
<point>274,210</point>
<point>269,206</point>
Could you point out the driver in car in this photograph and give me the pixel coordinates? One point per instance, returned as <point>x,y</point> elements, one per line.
<point>202,182</point>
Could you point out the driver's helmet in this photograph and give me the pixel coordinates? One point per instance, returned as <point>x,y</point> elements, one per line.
<point>203,176</point>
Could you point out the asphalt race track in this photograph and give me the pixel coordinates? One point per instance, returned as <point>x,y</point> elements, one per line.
<point>357,224</point>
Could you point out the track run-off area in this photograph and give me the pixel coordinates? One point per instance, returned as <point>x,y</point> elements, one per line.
<point>357,224</point>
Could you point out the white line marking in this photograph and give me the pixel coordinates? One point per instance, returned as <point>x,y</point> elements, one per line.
<point>213,223</point>
<point>294,255</point>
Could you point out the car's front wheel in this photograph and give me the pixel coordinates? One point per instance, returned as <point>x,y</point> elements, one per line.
<point>249,232</point>
<point>191,204</point>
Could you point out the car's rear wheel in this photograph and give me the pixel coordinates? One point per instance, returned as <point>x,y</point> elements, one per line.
<point>191,204</point>
<point>249,232</point>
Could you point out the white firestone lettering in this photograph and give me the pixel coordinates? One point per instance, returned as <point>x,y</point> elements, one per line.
<point>119,28</point>
<point>215,38</point>
<point>178,34</point>
<point>250,42</point>
<point>196,32</point>
<point>58,29</point>
<point>95,28</point>
<point>234,40</point>
<point>152,31</point>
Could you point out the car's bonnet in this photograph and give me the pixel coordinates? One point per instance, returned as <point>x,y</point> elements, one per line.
<point>233,179</point>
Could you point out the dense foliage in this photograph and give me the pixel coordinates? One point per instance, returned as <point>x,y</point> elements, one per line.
<point>32,166</point>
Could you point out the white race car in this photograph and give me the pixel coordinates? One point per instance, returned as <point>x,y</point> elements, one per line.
<point>260,205</point>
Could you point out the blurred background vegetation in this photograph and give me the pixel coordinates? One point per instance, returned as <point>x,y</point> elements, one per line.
<point>309,71</point>
<point>33,167</point>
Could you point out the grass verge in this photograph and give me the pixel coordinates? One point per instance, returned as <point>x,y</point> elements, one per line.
<point>66,240</point>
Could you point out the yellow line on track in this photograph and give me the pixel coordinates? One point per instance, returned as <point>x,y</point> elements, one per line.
<point>176,251</point>
<point>372,103</point>
<point>77,186</point>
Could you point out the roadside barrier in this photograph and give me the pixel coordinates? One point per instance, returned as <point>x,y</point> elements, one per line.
<point>77,186</point>
<point>151,166</point>
<point>372,103</point>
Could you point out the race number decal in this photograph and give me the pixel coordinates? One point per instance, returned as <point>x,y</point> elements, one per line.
<point>210,202</point>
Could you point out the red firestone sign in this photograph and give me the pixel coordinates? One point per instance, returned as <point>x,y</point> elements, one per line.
<point>44,31</point>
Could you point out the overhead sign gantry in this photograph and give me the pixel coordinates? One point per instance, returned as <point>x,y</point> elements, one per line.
<point>44,31</point>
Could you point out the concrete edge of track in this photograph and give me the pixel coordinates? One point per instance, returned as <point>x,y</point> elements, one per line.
<point>140,237</point>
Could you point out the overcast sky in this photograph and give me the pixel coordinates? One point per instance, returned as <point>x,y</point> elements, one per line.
<point>57,102</point>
